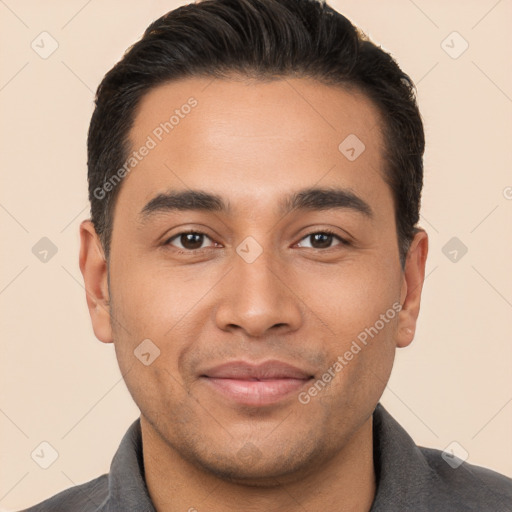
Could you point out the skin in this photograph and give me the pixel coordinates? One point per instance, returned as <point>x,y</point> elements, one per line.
<point>254,144</point>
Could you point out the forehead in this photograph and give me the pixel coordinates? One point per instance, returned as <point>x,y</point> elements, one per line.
<point>254,140</point>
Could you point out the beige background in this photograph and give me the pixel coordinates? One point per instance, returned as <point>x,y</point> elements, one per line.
<point>61,385</point>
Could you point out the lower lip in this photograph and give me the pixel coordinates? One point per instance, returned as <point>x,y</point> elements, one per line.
<point>256,392</point>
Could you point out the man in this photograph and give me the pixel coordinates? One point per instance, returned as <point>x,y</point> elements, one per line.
<point>255,174</point>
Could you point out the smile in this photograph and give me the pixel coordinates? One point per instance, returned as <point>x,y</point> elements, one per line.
<point>255,392</point>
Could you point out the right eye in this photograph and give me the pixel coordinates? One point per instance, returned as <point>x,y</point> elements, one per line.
<point>188,240</point>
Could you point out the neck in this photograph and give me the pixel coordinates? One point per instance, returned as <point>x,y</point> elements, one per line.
<point>346,479</point>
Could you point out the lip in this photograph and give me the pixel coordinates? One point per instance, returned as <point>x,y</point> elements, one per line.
<point>256,384</point>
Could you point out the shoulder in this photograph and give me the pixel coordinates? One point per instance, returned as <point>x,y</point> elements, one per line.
<point>86,497</point>
<point>122,489</point>
<point>413,478</point>
<point>464,483</point>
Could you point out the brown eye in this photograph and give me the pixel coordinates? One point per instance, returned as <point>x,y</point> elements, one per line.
<point>322,240</point>
<point>189,241</point>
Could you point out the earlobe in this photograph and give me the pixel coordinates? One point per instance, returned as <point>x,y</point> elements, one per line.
<point>412,285</point>
<point>94,271</point>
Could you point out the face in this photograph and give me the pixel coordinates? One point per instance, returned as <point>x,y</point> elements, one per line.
<point>257,228</point>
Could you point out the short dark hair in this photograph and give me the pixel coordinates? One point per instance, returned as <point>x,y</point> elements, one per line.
<point>262,40</point>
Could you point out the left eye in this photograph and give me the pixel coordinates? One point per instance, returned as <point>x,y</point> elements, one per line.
<point>322,240</point>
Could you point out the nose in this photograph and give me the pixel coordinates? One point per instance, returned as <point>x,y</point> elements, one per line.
<point>258,300</point>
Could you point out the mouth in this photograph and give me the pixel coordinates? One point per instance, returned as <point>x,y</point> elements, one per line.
<point>256,384</point>
<point>256,392</point>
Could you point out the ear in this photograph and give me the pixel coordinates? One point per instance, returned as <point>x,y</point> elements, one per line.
<point>412,285</point>
<point>93,266</point>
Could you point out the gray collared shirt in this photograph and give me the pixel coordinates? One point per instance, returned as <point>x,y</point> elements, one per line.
<point>409,479</point>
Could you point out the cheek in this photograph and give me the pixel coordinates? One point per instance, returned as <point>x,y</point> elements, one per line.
<point>156,312</point>
<point>153,299</point>
<point>351,296</point>
<point>356,372</point>
<point>357,307</point>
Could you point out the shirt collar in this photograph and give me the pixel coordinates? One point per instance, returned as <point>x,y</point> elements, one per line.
<point>127,487</point>
<point>399,464</point>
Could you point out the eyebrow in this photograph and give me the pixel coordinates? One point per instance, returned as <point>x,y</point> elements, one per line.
<point>305,199</point>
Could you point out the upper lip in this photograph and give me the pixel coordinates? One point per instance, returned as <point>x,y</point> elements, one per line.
<point>243,370</point>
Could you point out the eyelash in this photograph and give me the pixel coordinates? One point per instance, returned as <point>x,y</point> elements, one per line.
<point>326,231</point>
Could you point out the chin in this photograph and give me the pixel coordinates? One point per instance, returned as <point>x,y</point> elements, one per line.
<point>250,467</point>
